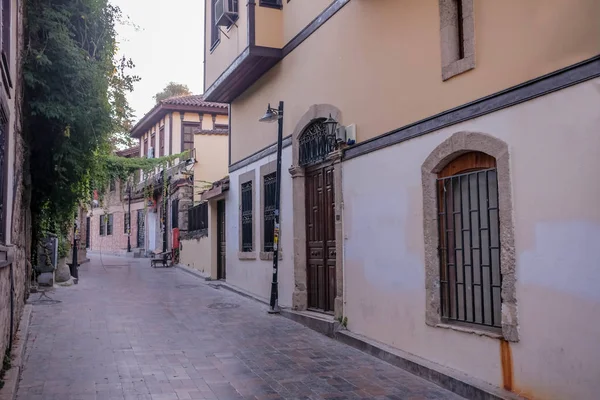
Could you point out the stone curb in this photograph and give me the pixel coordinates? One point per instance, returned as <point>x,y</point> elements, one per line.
<point>11,380</point>
<point>220,284</point>
<point>448,378</point>
<point>193,272</point>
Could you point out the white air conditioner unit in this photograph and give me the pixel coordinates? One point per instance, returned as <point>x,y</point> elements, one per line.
<point>225,12</point>
<point>150,152</point>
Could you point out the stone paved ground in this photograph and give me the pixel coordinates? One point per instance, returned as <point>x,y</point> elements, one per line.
<point>131,332</point>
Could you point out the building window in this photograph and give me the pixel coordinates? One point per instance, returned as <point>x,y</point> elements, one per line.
<point>198,219</point>
<point>161,141</point>
<point>457,33</point>
<point>6,42</point>
<point>188,136</point>
<point>271,3</point>
<point>112,185</point>
<point>153,143</point>
<point>269,187</point>
<point>247,211</point>
<point>126,222</point>
<point>175,214</point>
<point>145,147</point>
<point>229,5</point>
<point>102,225</point>
<point>314,143</point>
<point>469,236</point>
<point>109,224</point>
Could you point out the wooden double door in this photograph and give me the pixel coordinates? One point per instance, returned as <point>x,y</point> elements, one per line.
<point>320,238</point>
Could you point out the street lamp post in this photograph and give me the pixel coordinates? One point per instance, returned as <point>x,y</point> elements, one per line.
<point>273,115</point>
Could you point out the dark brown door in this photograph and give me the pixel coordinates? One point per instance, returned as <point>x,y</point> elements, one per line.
<point>221,242</point>
<point>320,237</point>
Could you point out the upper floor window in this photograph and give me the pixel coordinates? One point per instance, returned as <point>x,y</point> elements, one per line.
<point>224,13</point>
<point>161,141</point>
<point>6,21</point>
<point>457,34</point>
<point>146,147</point>
<point>188,136</point>
<point>469,241</point>
<point>270,3</point>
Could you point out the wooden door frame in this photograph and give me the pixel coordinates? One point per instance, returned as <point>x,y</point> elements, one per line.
<point>300,294</point>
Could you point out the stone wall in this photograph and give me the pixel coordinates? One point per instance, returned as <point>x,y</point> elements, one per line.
<point>19,213</point>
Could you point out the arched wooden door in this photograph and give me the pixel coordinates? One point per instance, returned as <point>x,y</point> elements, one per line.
<point>320,217</point>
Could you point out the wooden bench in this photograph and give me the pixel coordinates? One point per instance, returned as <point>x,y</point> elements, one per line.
<point>163,259</point>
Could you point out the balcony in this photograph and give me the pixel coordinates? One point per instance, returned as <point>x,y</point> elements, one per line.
<point>180,170</point>
<point>243,52</point>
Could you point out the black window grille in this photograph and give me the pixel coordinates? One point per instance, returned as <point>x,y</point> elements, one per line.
<point>175,214</point>
<point>270,183</point>
<point>247,240</point>
<point>126,222</point>
<point>315,144</point>
<point>109,225</point>
<point>198,219</point>
<point>102,225</point>
<point>470,277</point>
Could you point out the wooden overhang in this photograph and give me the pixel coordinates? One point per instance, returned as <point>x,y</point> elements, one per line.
<point>216,189</point>
<point>246,69</point>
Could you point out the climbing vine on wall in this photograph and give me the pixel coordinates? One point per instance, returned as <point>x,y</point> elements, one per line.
<point>75,107</point>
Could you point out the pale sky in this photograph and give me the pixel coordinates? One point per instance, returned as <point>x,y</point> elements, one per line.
<point>167,47</point>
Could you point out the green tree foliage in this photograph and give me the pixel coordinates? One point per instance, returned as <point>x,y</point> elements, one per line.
<point>171,90</point>
<point>75,103</point>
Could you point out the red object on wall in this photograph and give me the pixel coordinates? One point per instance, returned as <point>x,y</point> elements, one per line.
<point>175,238</point>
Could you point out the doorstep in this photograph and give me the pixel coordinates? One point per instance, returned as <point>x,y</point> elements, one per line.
<point>322,323</point>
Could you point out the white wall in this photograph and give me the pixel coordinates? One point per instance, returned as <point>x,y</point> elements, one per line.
<point>196,253</point>
<point>554,144</point>
<point>255,275</point>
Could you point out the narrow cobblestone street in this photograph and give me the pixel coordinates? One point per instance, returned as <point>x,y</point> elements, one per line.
<point>128,331</point>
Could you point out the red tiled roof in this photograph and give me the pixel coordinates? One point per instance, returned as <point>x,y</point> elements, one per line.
<point>130,152</point>
<point>193,100</point>
<point>192,103</point>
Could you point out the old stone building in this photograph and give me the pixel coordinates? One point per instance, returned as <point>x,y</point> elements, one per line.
<point>15,216</point>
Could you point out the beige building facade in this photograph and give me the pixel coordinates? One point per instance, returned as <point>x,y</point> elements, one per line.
<point>454,219</point>
<point>186,125</point>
